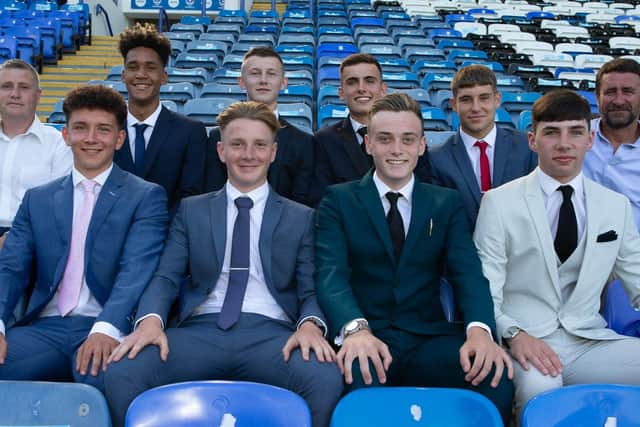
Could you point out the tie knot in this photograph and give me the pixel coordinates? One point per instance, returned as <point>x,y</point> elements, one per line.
<point>482,145</point>
<point>140,127</point>
<point>88,185</point>
<point>243,202</point>
<point>566,191</point>
<point>362,131</point>
<point>393,197</point>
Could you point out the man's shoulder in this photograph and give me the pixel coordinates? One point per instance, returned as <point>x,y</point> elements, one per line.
<point>329,132</point>
<point>442,152</point>
<point>180,120</point>
<point>604,193</point>
<point>511,134</point>
<point>294,133</point>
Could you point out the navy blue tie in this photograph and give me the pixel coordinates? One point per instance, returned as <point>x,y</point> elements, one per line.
<point>140,146</point>
<point>238,266</point>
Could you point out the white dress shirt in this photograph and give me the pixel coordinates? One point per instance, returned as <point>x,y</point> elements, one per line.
<point>87,304</point>
<point>474,152</point>
<point>553,200</point>
<point>28,160</point>
<point>131,130</point>
<point>356,125</point>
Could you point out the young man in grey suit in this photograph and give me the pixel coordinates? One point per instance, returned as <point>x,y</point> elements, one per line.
<point>548,243</point>
<point>481,155</point>
<point>248,310</point>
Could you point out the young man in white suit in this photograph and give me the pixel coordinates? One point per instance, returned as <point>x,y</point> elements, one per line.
<point>548,256</point>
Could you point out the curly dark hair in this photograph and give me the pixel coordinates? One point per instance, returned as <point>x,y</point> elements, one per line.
<point>145,35</point>
<point>96,97</point>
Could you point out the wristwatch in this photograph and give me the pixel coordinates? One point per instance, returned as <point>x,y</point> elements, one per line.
<point>510,334</point>
<point>354,326</point>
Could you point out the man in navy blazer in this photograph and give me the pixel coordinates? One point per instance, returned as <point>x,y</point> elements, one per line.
<point>88,254</point>
<point>262,76</point>
<point>458,164</point>
<point>267,327</point>
<point>339,148</point>
<point>171,150</point>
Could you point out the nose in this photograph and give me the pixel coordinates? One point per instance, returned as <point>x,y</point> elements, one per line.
<point>15,92</point>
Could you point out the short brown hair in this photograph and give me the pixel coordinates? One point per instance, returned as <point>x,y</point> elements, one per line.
<point>248,110</point>
<point>19,64</point>
<point>396,102</point>
<point>617,65</point>
<point>473,75</point>
<point>262,52</point>
<point>96,97</point>
<point>145,35</point>
<point>360,58</point>
<point>560,105</point>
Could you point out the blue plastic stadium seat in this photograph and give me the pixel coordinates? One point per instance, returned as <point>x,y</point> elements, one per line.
<point>207,109</point>
<point>618,311</point>
<point>434,119</point>
<point>414,406</point>
<point>329,114</point>
<point>217,90</point>
<point>586,405</point>
<point>216,403</point>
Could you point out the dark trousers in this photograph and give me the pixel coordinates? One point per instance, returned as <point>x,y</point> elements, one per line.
<point>433,361</point>
<point>45,350</point>
<point>250,351</point>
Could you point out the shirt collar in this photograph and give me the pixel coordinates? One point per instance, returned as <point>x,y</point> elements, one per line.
<point>77,177</point>
<point>355,125</point>
<point>549,184</point>
<point>383,188</point>
<point>150,121</point>
<point>257,195</point>
<point>36,129</point>
<point>469,140</point>
<point>595,124</point>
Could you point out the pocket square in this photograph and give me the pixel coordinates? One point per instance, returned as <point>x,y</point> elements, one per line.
<point>609,236</point>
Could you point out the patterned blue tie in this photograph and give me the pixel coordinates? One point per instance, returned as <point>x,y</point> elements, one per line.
<point>140,146</point>
<point>238,266</point>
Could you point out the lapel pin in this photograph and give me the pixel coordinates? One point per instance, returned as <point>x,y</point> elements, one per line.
<point>430,226</point>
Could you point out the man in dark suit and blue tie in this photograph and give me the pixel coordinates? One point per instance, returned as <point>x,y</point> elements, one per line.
<point>262,76</point>
<point>89,243</point>
<point>339,149</point>
<point>481,155</point>
<point>381,243</point>
<point>161,146</point>
<point>248,310</point>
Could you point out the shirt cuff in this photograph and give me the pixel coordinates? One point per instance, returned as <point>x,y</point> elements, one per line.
<point>2,328</point>
<point>107,329</point>
<point>339,339</point>
<point>318,322</point>
<point>480,325</point>
<point>149,315</point>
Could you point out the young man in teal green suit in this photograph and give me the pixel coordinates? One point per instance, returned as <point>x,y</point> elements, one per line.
<point>379,284</point>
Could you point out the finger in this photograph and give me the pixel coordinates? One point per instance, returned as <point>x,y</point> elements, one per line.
<point>348,365</point>
<point>318,349</point>
<point>487,364</point>
<point>340,360</point>
<point>522,360</point>
<point>555,361</point>
<point>304,348</point>
<point>509,363</point>
<point>106,352</point>
<point>97,362</point>
<point>386,357</point>
<point>163,343</point>
<point>286,350</point>
<point>330,354</point>
<point>478,362</point>
<point>364,368</point>
<point>465,361</point>
<point>498,374</point>
<point>84,357</point>
<point>120,351</point>
<point>3,350</point>
<point>379,367</point>
<point>539,365</point>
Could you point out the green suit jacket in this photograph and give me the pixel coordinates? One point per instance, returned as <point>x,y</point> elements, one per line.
<point>357,275</point>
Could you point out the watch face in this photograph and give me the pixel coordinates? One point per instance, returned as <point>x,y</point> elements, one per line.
<point>351,326</point>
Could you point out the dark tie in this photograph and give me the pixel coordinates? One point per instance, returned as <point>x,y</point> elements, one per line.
<point>238,266</point>
<point>485,172</point>
<point>362,132</point>
<point>567,234</point>
<point>396,228</point>
<point>140,146</point>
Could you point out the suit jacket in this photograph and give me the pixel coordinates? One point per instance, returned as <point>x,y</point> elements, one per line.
<point>515,245</point>
<point>174,158</point>
<point>357,275</point>
<point>289,174</point>
<point>124,241</point>
<point>339,159</point>
<point>451,167</point>
<point>196,246</point>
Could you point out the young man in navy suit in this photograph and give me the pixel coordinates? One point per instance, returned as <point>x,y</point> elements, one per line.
<point>480,155</point>
<point>161,146</point>
<point>262,76</point>
<point>248,310</point>
<point>89,242</point>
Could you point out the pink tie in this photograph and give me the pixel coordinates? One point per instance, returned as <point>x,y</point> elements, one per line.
<point>72,279</point>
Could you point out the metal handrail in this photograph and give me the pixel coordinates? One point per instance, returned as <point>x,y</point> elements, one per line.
<point>100,9</point>
<point>163,17</point>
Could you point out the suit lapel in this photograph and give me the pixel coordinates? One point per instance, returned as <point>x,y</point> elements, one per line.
<point>124,156</point>
<point>461,158</point>
<point>352,147</point>
<point>500,157</point>
<point>535,204</point>
<point>219,223</point>
<point>108,196</point>
<point>63,212</point>
<point>368,195</point>
<point>593,215</point>
<point>270,219</point>
<point>420,214</point>
<point>161,132</point>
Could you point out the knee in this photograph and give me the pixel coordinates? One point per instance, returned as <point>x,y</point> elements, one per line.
<point>529,384</point>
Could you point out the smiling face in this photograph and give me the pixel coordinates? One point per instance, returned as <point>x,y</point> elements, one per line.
<point>395,141</point>
<point>247,148</point>
<point>360,86</point>
<point>94,136</point>
<point>476,107</point>
<point>263,79</point>
<point>561,147</point>
<point>19,95</point>
<point>143,74</point>
<point>619,99</point>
